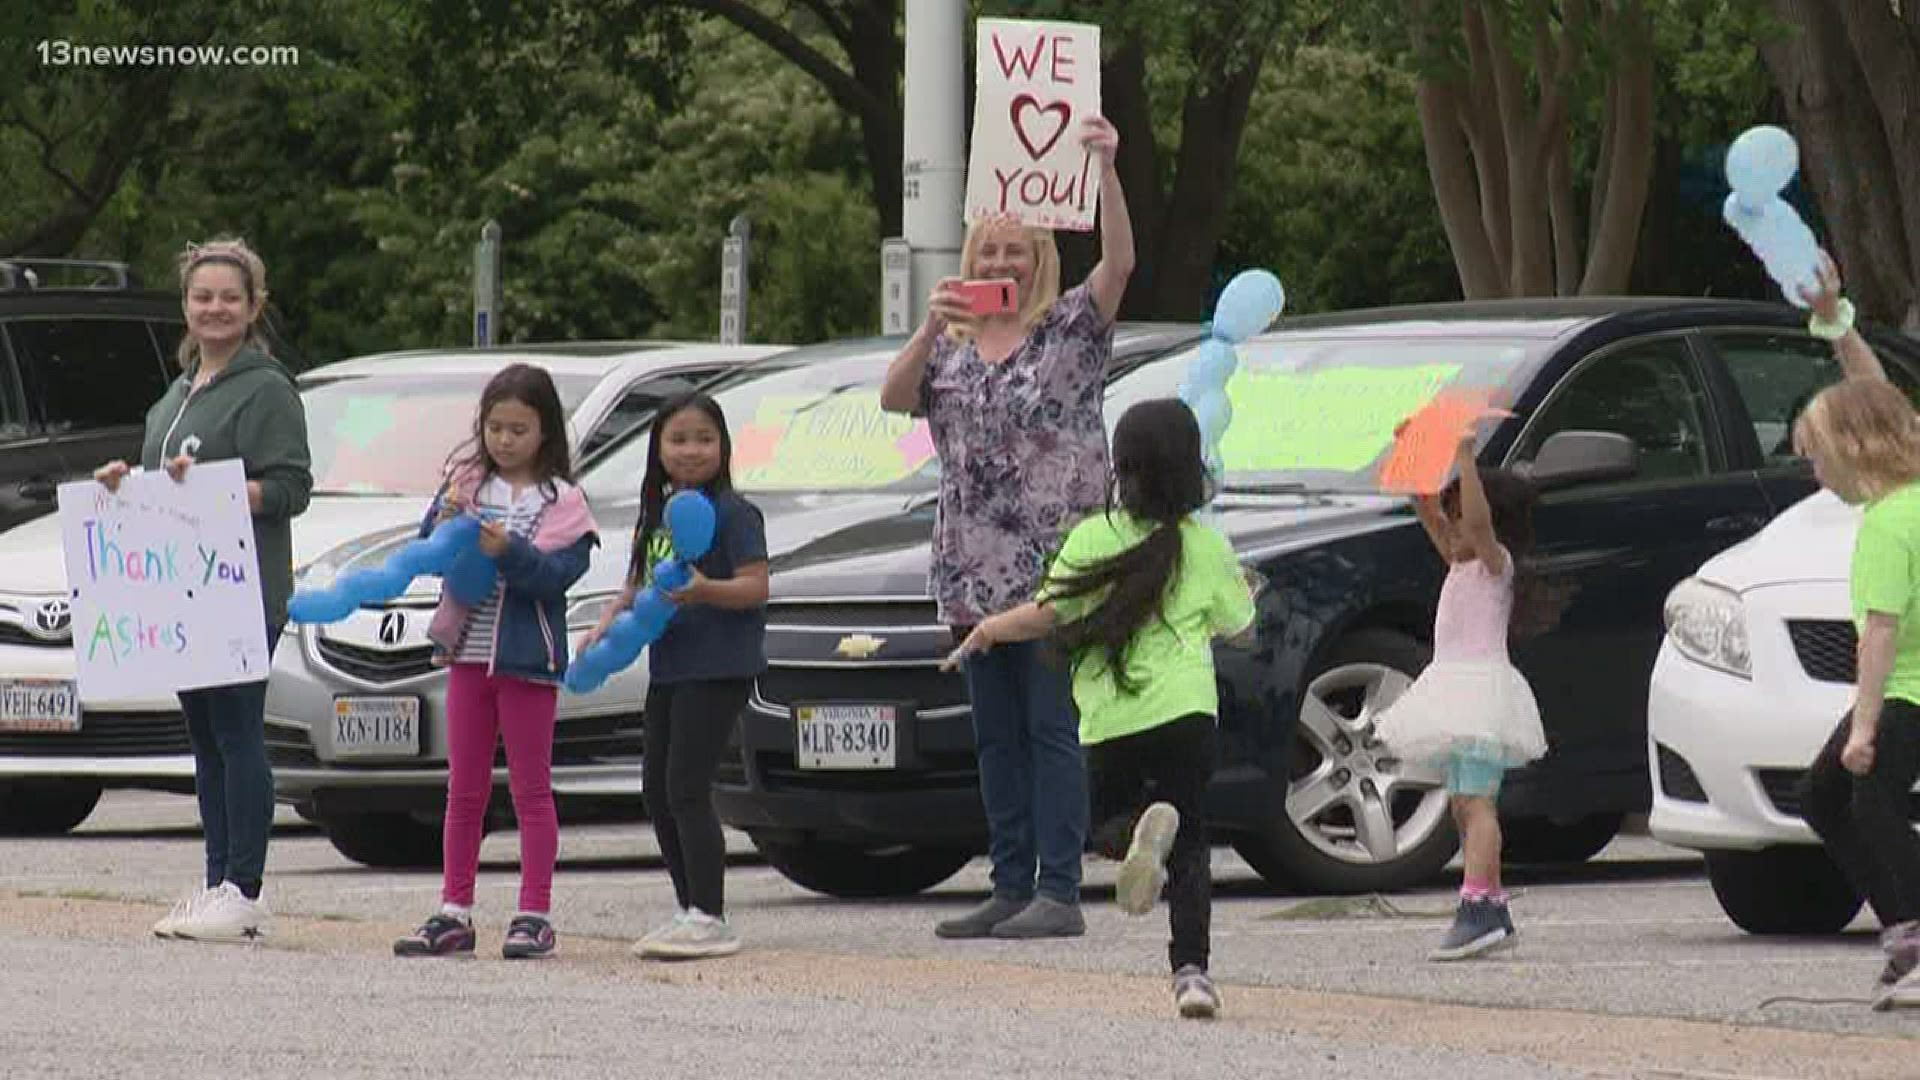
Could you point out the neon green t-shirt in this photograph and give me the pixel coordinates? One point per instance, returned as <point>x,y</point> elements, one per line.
<point>1170,659</point>
<point>1886,579</point>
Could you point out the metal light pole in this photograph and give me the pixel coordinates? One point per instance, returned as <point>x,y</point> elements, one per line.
<point>934,163</point>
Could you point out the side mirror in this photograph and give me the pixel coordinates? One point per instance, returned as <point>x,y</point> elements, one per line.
<point>1583,457</point>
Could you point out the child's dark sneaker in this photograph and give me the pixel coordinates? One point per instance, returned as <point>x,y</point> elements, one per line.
<point>529,937</point>
<point>441,935</point>
<point>1479,926</point>
<point>1194,993</point>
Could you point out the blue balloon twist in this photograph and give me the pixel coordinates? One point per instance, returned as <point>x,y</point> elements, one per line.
<point>1247,306</point>
<point>690,522</point>
<point>452,553</point>
<point>1760,165</point>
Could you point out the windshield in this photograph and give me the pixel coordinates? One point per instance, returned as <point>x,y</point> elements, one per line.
<point>391,434</point>
<point>1320,412</point>
<point>804,422</point>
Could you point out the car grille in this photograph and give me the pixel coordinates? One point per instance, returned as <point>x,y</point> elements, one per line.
<point>952,769</point>
<point>16,635</point>
<point>377,665</point>
<point>1825,648</point>
<point>927,687</point>
<point>105,735</point>
<point>1783,791</point>
<point>1677,780</point>
<point>590,740</point>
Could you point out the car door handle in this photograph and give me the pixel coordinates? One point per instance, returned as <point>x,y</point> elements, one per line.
<point>1735,523</point>
<point>38,489</point>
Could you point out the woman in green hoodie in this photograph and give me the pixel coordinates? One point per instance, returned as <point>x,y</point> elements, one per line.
<point>232,400</point>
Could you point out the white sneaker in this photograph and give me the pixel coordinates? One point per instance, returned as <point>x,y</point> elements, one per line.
<point>182,908</point>
<point>694,936</point>
<point>225,915</point>
<point>640,947</point>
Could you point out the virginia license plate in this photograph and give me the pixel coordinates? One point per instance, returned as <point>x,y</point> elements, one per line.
<point>376,726</point>
<point>47,705</point>
<point>846,736</point>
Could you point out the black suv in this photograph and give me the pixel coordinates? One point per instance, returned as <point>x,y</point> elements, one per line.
<point>84,351</point>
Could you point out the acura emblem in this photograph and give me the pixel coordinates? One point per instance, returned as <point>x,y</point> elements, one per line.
<point>859,646</point>
<point>393,627</point>
<point>53,620</point>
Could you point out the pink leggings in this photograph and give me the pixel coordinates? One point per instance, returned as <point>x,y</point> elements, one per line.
<point>482,709</point>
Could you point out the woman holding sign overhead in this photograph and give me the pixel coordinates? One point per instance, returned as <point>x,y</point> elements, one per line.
<point>1009,373</point>
<point>233,401</point>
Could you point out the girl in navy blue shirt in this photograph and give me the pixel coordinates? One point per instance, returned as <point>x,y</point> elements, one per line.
<point>700,669</point>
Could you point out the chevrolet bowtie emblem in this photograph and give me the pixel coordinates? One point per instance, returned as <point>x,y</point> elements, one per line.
<point>859,646</point>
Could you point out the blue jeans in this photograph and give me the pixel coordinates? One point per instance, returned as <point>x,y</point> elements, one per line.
<point>1033,776</point>
<point>227,726</point>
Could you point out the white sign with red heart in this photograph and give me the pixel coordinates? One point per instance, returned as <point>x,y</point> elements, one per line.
<point>1034,84</point>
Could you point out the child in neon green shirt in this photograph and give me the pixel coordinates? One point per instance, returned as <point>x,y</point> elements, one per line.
<point>1864,439</point>
<point>1136,598</point>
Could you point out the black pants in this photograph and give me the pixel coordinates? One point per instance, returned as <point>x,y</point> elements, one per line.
<point>1171,763</point>
<point>687,728</point>
<point>1864,819</point>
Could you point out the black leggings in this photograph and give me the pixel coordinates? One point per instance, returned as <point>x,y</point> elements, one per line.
<point>1864,820</point>
<point>687,728</point>
<point>1170,763</point>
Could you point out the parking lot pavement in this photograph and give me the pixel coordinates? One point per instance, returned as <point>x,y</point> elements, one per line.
<point>1619,963</point>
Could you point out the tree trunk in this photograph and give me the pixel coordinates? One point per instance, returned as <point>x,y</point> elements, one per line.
<point>1123,96</point>
<point>1625,175</point>
<point>1844,155</point>
<point>1890,62</point>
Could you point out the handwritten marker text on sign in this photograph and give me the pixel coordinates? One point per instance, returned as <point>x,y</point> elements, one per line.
<point>1036,83</point>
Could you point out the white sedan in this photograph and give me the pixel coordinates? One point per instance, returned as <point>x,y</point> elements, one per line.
<point>1756,669</point>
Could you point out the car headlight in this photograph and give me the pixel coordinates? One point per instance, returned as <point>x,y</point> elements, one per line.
<point>586,612</point>
<point>1708,624</point>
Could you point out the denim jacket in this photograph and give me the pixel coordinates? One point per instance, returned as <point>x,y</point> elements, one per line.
<point>530,636</point>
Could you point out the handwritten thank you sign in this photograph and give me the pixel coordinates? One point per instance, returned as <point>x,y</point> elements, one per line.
<point>165,583</point>
<point>1035,82</point>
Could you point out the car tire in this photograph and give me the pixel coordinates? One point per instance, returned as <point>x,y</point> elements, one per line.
<point>1324,850</point>
<point>45,807</point>
<point>387,841</point>
<point>1541,841</point>
<point>853,872</point>
<point>1783,890</point>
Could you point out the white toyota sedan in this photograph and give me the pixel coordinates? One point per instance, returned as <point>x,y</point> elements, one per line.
<point>1756,669</point>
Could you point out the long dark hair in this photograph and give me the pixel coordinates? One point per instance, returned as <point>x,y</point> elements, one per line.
<point>653,498</point>
<point>1537,602</point>
<point>1158,477</point>
<point>533,387</point>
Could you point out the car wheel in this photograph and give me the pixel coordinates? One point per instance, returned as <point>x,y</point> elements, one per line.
<point>1356,819</point>
<point>388,841</point>
<point>1540,840</point>
<point>855,872</point>
<point>1782,890</point>
<point>45,807</point>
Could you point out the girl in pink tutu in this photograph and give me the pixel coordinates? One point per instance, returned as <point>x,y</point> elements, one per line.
<point>1471,712</point>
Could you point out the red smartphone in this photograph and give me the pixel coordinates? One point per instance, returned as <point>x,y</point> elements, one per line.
<point>993,296</point>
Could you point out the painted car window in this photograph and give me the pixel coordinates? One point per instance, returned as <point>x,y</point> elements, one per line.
<point>1322,411</point>
<point>391,435</point>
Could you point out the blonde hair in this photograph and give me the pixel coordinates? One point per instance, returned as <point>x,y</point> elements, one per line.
<point>1865,436</point>
<point>225,251</point>
<point>1043,286</point>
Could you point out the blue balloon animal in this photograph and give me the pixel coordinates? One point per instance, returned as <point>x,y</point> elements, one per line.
<point>452,552</point>
<point>1248,305</point>
<point>690,522</point>
<point>1760,165</point>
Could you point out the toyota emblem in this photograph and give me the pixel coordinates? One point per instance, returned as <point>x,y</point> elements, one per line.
<point>53,620</point>
<point>393,627</point>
